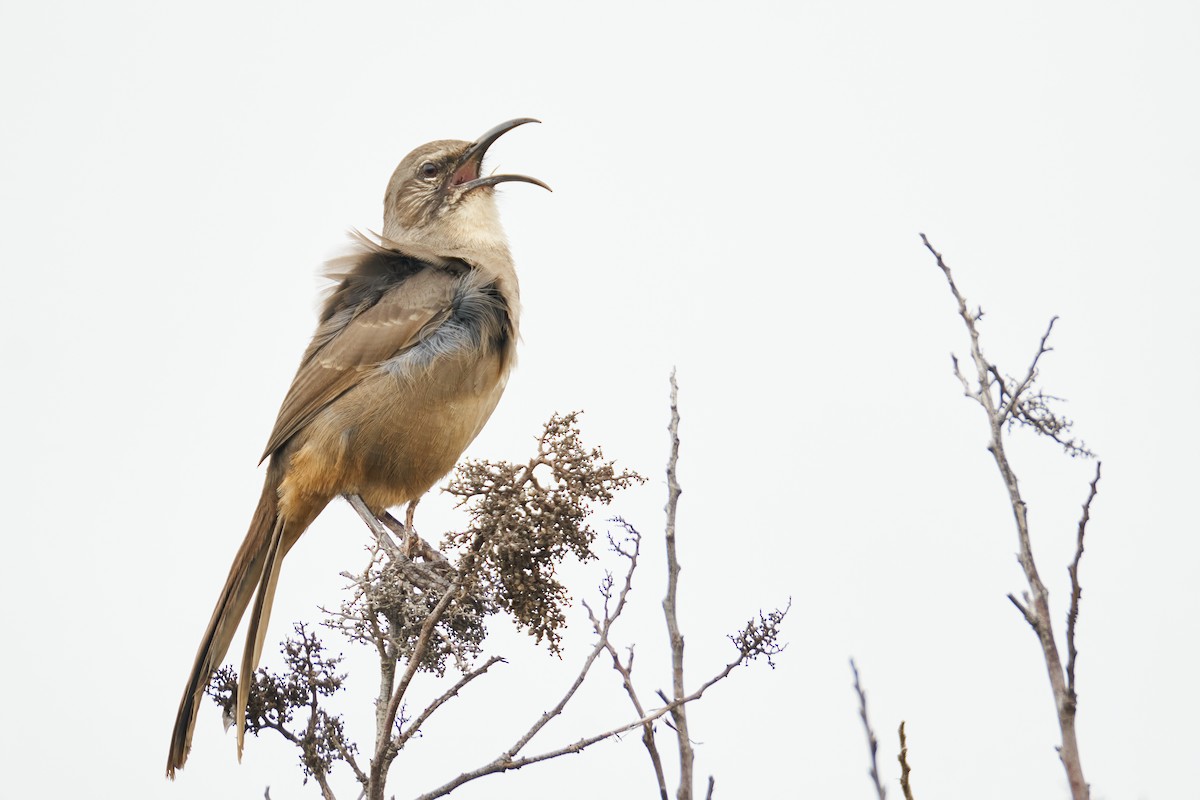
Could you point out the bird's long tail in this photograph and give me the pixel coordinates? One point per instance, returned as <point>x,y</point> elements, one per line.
<point>260,547</point>
<point>256,632</point>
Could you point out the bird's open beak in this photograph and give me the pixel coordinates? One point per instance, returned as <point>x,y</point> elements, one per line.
<point>466,175</point>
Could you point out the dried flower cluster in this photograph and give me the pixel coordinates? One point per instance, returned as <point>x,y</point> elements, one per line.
<point>760,638</point>
<point>1033,410</point>
<point>309,675</point>
<point>526,518</point>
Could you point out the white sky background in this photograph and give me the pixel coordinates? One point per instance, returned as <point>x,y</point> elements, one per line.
<point>738,193</point>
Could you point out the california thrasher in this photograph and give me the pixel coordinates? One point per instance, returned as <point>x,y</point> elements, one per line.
<point>412,352</point>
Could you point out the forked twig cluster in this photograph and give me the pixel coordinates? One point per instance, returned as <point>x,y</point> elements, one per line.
<point>1006,402</point>
<point>1010,402</point>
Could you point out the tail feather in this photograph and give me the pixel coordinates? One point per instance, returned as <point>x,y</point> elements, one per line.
<point>244,577</point>
<point>256,632</point>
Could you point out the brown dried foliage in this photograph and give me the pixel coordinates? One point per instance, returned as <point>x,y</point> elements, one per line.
<point>526,518</point>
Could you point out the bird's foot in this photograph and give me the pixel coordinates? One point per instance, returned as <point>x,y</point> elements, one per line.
<point>412,543</point>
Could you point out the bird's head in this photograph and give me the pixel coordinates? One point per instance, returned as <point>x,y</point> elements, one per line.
<point>439,198</point>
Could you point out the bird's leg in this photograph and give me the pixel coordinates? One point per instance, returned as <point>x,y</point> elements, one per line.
<point>368,516</point>
<point>408,515</point>
<point>413,543</point>
<point>373,522</point>
<point>395,525</point>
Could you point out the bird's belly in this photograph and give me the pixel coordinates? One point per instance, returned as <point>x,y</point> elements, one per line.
<point>397,433</point>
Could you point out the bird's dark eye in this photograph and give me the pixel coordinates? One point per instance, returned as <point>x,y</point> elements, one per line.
<point>429,170</point>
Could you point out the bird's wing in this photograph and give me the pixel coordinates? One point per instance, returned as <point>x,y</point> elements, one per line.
<point>342,349</point>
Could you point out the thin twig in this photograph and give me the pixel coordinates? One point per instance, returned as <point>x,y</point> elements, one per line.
<point>625,670</point>
<point>1028,613</point>
<point>348,757</point>
<point>1030,374</point>
<point>1076,589</point>
<point>504,764</point>
<point>872,742</point>
<point>626,673</point>
<point>326,789</point>
<point>602,641</point>
<point>453,691</point>
<point>510,754</point>
<point>905,769</point>
<point>962,378</point>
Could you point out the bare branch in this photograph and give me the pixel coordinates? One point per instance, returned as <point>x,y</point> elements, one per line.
<point>348,757</point>
<point>678,713</point>
<point>1014,395</point>
<point>625,670</point>
<point>602,642</point>
<point>1026,611</point>
<point>981,365</point>
<point>1076,589</point>
<point>504,763</point>
<point>510,754</point>
<point>962,379</point>
<point>1030,410</point>
<point>415,726</point>
<point>326,789</point>
<point>872,743</point>
<point>626,673</point>
<point>905,770</point>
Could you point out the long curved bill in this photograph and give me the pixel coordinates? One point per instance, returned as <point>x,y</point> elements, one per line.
<point>466,175</point>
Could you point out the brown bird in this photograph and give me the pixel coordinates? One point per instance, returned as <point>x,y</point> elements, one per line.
<point>412,352</point>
